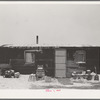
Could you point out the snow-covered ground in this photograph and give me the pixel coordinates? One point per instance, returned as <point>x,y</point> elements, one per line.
<point>23,83</point>
<point>14,83</point>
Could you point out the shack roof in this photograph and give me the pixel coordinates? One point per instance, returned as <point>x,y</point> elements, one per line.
<point>44,45</point>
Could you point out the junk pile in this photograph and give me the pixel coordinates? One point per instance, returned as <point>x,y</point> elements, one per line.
<point>10,74</point>
<point>39,75</point>
<point>85,75</point>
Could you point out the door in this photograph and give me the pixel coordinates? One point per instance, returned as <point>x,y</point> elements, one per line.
<point>60,63</point>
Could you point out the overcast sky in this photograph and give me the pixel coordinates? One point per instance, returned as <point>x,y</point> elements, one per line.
<point>74,24</point>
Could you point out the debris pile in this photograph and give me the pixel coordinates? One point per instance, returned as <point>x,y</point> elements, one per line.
<point>85,76</point>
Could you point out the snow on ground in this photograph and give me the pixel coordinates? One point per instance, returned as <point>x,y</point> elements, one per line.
<point>23,83</point>
<point>14,83</point>
<point>44,85</point>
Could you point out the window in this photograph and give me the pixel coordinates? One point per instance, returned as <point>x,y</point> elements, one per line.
<point>30,57</point>
<point>80,56</point>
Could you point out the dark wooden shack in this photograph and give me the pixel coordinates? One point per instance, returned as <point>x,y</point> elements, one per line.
<point>59,61</point>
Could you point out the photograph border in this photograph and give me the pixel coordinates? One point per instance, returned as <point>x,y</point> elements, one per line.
<point>3,97</point>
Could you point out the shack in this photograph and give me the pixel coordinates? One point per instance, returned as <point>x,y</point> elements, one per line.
<point>59,61</point>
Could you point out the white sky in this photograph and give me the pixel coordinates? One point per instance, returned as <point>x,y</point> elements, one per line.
<point>74,24</point>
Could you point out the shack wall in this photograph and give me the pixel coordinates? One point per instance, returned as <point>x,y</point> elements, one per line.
<point>48,54</point>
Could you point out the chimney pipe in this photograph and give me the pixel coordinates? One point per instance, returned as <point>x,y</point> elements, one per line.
<point>37,39</point>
